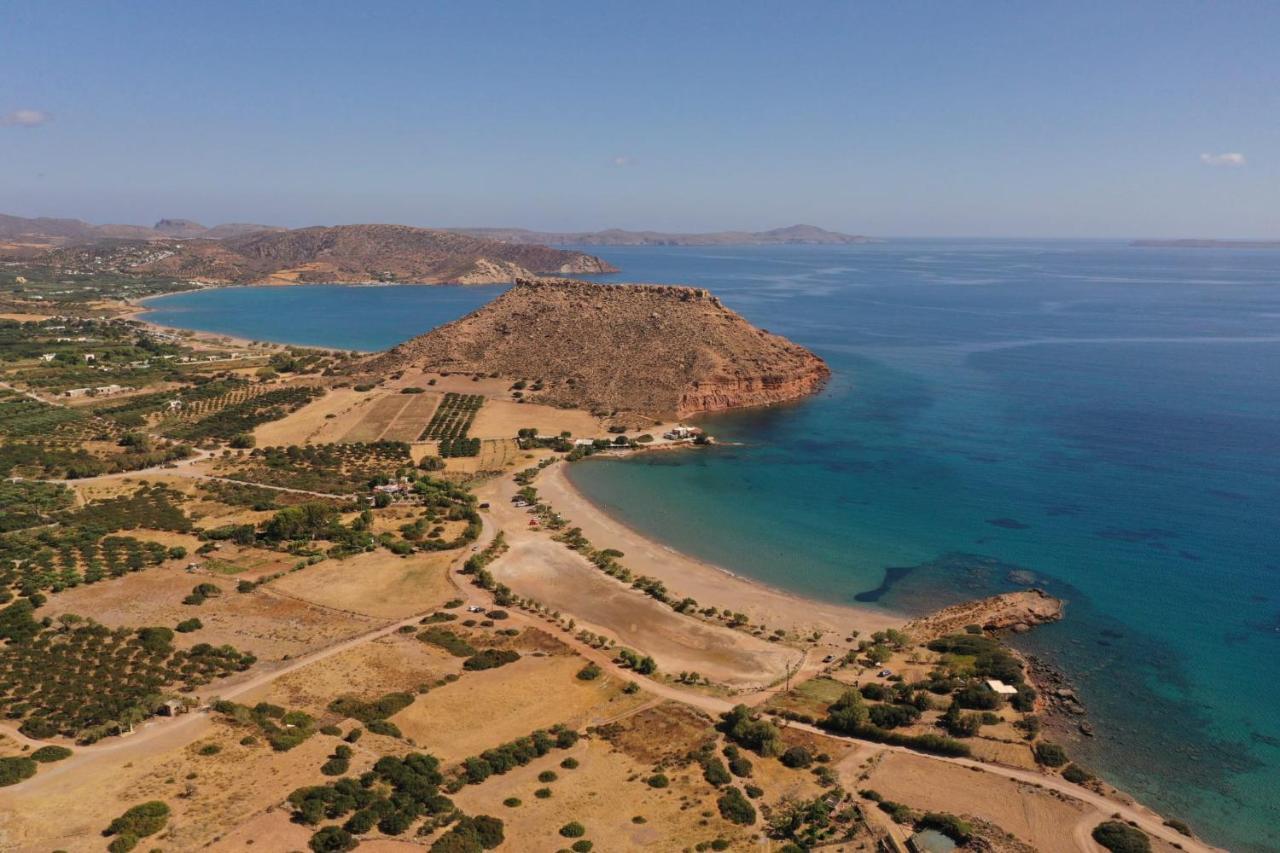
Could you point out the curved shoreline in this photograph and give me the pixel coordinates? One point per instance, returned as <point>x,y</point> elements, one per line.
<point>708,582</point>
<point>138,309</point>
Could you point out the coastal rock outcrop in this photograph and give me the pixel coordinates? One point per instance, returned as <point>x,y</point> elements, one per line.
<point>655,350</point>
<point>1015,611</point>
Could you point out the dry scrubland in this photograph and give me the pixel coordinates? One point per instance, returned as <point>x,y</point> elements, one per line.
<point>268,625</point>
<point>377,585</point>
<point>499,705</point>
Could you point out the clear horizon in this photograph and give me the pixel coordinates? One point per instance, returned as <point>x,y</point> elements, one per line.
<point>1056,121</point>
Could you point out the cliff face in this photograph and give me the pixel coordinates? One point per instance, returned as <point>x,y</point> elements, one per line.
<point>714,395</point>
<point>655,350</point>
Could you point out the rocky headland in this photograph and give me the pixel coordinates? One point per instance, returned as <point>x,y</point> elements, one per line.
<point>653,350</point>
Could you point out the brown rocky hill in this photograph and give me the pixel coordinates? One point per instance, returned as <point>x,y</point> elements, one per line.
<point>401,253</point>
<point>654,350</point>
<point>343,254</point>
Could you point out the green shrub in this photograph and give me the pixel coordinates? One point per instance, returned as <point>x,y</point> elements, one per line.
<point>742,727</point>
<point>714,771</point>
<point>796,757</point>
<point>736,808</point>
<point>573,829</point>
<point>490,659</point>
<point>1075,773</point>
<point>140,821</point>
<point>590,672</point>
<point>512,802</point>
<point>569,764</point>
<point>383,727</point>
<point>1119,837</point>
<point>447,640</point>
<point>332,839</point>
<point>1050,754</point>
<point>897,811</point>
<point>658,780</point>
<point>16,769</point>
<point>335,767</point>
<point>582,845</point>
<point>186,626</point>
<point>542,793</point>
<point>547,776</point>
<point>46,754</point>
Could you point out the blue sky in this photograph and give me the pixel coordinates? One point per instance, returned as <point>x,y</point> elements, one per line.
<point>1002,119</point>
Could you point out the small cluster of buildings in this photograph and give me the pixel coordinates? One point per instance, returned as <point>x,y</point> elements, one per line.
<point>682,433</point>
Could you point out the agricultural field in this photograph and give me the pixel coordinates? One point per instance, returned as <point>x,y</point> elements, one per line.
<point>241,411</point>
<point>452,421</point>
<point>408,424</point>
<point>338,469</point>
<point>377,418</point>
<point>85,547</point>
<point>23,417</point>
<point>87,681</point>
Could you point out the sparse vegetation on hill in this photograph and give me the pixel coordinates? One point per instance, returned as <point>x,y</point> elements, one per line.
<point>342,253</point>
<point>616,348</point>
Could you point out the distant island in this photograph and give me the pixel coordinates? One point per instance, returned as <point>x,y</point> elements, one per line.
<point>806,235</point>
<point>655,350</point>
<point>1207,244</point>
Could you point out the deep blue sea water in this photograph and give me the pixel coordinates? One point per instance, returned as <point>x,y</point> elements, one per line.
<point>1105,417</point>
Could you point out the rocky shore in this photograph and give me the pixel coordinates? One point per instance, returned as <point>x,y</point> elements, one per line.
<point>1013,611</point>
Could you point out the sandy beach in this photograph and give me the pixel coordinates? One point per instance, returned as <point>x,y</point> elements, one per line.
<point>709,584</point>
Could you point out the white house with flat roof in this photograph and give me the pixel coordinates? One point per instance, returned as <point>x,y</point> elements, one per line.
<point>999,688</point>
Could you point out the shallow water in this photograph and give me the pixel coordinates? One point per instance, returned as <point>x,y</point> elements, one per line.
<point>1105,417</point>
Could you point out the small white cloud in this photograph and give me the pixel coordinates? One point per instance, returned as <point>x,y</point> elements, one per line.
<point>1231,158</point>
<point>26,118</point>
<point>621,160</point>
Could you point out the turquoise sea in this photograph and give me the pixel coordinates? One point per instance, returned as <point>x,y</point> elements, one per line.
<point>1104,417</point>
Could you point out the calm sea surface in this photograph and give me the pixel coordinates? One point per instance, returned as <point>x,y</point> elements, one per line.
<point>1106,418</point>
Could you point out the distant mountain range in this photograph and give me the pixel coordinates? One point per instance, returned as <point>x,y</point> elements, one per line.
<point>244,253</point>
<point>254,254</point>
<point>1207,244</point>
<point>808,235</point>
<point>46,230</point>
